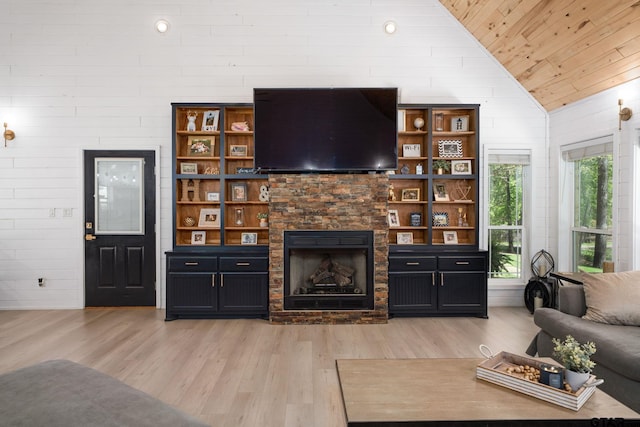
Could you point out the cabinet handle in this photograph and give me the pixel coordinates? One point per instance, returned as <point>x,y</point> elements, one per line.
<point>191,263</point>
<point>213,280</point>
<point>222,280</point>
<point>243,264</point>
<point>433,279</point>
<point>462,262</point>
<point>412,263</point>
<point>441,279</point>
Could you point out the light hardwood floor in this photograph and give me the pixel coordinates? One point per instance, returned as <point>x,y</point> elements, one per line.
<point>233,373</point>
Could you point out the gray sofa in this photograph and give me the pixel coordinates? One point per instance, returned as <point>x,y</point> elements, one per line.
<point>617,354</point>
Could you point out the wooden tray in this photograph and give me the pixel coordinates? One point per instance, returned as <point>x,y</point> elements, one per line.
<point>494,370</point>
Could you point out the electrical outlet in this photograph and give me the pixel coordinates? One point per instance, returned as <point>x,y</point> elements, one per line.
<point>67,212</point>
<point>52,212</point>
<point>41,282</point>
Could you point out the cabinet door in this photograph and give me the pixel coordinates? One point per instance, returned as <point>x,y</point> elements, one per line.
<point>413,292</point>
<point>244,292</point>
<point>190,293</point>
<point>462,292</point>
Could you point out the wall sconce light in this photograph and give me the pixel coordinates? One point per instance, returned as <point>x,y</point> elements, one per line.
<point>623,115</point>
<point>390,27</point>
<point>8,134</point>
<point>162,26</point>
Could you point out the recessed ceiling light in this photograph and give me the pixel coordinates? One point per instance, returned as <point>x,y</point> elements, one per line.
<point>162,26</point>
<point>390,27</point>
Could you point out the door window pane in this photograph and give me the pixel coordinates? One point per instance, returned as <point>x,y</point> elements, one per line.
<point>119,196</point>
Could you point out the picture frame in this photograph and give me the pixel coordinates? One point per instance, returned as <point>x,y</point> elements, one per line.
<point>189,168</point>
<point>459,124</point>
<point>440,192</point>
<point>450,148</point>
<point>209,218</point>
<point>200,146</point>
<point>404,238</point>
<point>450,237</point>
<point>238,150</point>
<point>213,197</point>
<point>410,194</point>
<point>249,238</point>
<point>411,150</point>
<point>198,237</point>
<point>394,218</point>
<point>461,167</point>
<point>210,120</point>
<point>238,192</point>
<point>440,219</point>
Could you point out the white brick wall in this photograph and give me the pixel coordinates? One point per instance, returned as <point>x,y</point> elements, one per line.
<point>94,74</point>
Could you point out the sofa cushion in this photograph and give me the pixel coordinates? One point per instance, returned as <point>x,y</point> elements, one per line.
<point>612,298</point>
<point>617,346</point>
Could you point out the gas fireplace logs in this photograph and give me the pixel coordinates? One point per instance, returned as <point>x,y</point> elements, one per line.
<point>330,277</point>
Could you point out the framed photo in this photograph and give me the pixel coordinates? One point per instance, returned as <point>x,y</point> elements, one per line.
<point>410,194</point>
<point>404,238</point>
<point>461,167</point>
<point>213,197</point>
<point>198,237</point>
<point>238,192</point>
<point>440,219</point>
<point>200,146</point>
<point>210,120</point>
<point>394,218</point>
<point>440,192</point>
<point>450,148</point>
<point>450,237</point>
<point>249,239</point>
<point>411,150</point>
<point>209,218</point>
<point>459,124</point>
<point>238,150</point>
<point>189,168</point>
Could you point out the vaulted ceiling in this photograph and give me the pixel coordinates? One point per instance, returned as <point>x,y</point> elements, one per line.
<point>561,51</point>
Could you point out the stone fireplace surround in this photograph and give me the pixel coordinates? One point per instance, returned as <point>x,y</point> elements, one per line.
<point>328,202</point>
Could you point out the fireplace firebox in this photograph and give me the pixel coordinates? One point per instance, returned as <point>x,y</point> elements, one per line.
<point>328,270</point>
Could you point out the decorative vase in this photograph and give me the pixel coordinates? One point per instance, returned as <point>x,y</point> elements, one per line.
<point>263,222</point>
<point>575,379</point>
<point>440,171</point>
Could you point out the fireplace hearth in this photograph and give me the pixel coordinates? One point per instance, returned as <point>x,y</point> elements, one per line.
<point>328,270</point>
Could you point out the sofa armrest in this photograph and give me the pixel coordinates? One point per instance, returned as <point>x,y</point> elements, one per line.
<point>571,300</point>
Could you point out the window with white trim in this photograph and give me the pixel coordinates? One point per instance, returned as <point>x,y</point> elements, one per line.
<point>507,220</point>
<point>590,167</point>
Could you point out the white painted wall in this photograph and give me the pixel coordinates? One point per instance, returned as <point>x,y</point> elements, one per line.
<point>591,118</point>
<point>91,74</point>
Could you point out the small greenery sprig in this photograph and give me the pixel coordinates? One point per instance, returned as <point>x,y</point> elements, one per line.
<point>263,215</point>
<point>573,355</point>
<point>442,164</point>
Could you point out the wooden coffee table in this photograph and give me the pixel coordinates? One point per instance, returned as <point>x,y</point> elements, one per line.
<point>386,392</point>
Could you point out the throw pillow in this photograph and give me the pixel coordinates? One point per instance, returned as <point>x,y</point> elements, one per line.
<point>613,298</point>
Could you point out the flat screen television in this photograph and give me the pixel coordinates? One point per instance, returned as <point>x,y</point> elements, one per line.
<point>325,130</point>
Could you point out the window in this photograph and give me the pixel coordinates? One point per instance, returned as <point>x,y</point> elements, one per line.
<point>508,186</point>
<point>591,168</point>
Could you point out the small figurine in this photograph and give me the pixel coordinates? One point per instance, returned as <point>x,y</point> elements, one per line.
<point>191,117</point>
<point>392,195</point>
<point>405,169</point>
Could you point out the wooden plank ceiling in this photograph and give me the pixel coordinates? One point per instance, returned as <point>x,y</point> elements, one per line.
<point>561,51</point>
